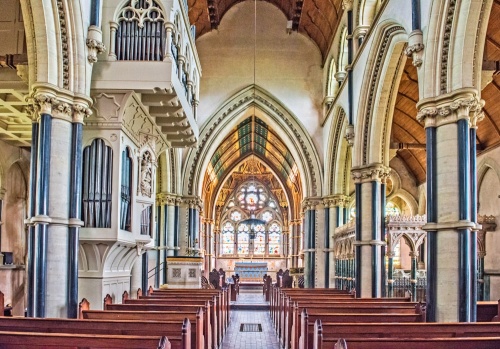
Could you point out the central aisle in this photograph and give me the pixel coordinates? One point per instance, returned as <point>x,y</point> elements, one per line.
<point>249,309</point>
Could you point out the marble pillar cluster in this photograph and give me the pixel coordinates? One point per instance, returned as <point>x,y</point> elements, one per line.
<point>370,219</point>
<point>55,181</point>
<point>450,121</point>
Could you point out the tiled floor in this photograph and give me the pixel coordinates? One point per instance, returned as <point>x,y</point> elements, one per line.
<point>234,339</point>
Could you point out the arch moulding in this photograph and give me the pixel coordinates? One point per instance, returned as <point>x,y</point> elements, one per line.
<point>232,112</point>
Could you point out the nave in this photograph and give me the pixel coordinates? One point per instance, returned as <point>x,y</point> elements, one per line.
<point>250,308</point>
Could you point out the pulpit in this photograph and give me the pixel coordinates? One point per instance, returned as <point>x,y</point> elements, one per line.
<point>250,271</point>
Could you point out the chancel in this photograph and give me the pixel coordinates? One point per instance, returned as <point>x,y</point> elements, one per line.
<point>255,173</point>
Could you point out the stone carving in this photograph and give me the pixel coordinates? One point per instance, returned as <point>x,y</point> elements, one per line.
<point>80,112</point>
<point>94,43</point>
<point>64,43</point>
<point>133,12</point>
<point>370,173</point>
<point>146,178</point>
<point>469,106</point>
<point>176,272</point>
<point>192,273</point>
<point>450,14</point>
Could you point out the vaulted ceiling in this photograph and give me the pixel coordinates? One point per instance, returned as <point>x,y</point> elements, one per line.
<point>252,137</point>
<point>317,19</point>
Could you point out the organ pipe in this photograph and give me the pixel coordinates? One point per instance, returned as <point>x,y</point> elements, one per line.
<point>97,185</point>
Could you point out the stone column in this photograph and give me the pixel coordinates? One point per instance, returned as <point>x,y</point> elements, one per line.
<point>334,217</point>
<point>194,209</point>
<point>295,242</point>
<point>413,275</point>
<point>55,188</point>
<point>169,26</point>
<point>451,281</point>
<point>390,274</point>
<point>370,195</point>
<point>359,34</point>
<point>311,236</point>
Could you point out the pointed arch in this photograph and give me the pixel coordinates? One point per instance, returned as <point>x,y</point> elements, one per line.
<point>454,48</point>
<point>335,172</point>
<point>380,88</point>
<point>280,118</point>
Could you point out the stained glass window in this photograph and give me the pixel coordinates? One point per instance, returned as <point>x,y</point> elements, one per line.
<point>259,242</point>
<point>243,239</point>
<point>267,216</point>
<point>392,210</point>
<point>251,200</point>
<point>274,238</point>
<point>227,239</point>
<point>236,216</point>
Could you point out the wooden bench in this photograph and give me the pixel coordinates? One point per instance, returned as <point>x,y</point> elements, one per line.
<point>222,309</point>
<point>224,293</point>
<point>488,311</point>
<point>76,340</point>
<point>420,343</point>
<point>289,314</point>
<point>179,332</point>
<point>184,307</point>
<point>299,335</point>
<point>325,335</point>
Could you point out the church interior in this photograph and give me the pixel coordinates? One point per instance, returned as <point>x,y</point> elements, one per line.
<point>351,145</point>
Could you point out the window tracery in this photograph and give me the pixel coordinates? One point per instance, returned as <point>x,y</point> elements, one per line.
<point>238,236</point>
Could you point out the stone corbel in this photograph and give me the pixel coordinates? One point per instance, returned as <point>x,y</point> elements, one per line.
<point>349,135</point>
<point>140,243</point>
<point>94,43</point>
<point>415,47</point>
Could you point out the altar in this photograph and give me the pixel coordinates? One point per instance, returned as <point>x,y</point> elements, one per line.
<point>250,271</point>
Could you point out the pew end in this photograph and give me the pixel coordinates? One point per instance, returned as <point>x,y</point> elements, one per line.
<point>83,305</point>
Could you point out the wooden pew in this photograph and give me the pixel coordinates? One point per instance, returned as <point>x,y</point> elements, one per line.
<point>224,292</point>
<point>325,335</point>
<point>288,310</point>
<point>488,311</point>
<point>338,306</point>
<point>179,333</point>
<point>73,340</point>
<point>221,307</point>
<point>299,335</point>
<point>159,304</point>
<point>421,343</point>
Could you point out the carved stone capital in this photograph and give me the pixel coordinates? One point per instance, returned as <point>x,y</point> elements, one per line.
<point>311,203</point>
<point>167,199</point>
<point>44,102</point>
<point>193,202</point>
<point>336,201</point>
<point>62,110</point>
<point>80,112</point>
<point>449,108</point>
<point>370,173</point>
<point>94,43</point>
<point>347,5</point>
